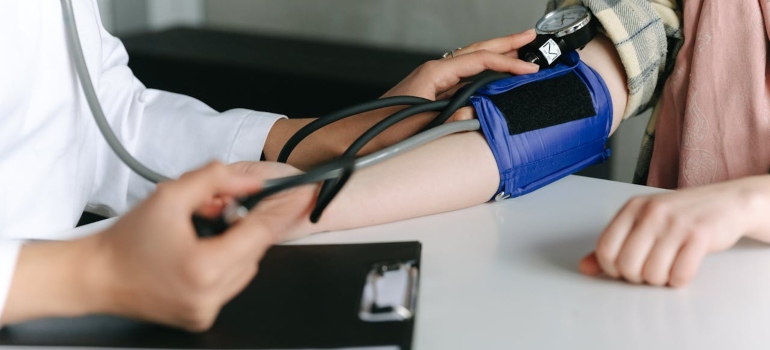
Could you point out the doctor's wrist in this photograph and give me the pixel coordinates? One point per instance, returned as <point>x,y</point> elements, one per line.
<point>97,279</point>
<point>53,279</point>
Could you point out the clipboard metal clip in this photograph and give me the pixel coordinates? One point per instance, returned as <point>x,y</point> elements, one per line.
<point>390,292</point>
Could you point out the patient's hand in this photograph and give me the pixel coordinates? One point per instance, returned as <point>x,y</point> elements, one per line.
<point>662,239</point>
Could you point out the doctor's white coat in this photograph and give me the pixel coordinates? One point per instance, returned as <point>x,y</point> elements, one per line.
<point>54,162</point>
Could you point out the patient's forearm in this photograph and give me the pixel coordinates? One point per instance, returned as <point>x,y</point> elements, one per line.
<point>454,172</point>
<point>601,55</point>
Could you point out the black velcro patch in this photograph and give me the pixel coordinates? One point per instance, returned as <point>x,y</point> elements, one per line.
<point>545,103</point>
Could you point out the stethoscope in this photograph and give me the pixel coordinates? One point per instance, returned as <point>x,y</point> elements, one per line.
<point>333,174</point>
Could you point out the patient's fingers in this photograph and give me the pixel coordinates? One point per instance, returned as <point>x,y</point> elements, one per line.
<point>589,265</point>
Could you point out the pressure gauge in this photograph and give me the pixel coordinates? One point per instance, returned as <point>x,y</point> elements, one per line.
<point>564,21</point>
<point>560,31</point>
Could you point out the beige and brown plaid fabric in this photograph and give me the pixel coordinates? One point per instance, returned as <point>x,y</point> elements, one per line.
<point>647,35</point>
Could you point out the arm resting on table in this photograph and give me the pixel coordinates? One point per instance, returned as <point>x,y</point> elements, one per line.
<point>451,173</point>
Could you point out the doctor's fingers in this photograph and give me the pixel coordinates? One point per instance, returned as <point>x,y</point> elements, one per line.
<point>245,242</point>
<point>198,188</point>
<point>465,113</point>
<point>502,45</point>
<point>282,216</point>
<point>476,62</point>
<point>208,292</point>
<point>235,279</point>
<point>261,171</point>
<point>445,74</point>
<point>219,265</point>
<point>445,95</point>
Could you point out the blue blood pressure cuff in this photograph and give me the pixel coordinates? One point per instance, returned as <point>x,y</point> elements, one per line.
<point>544,126</point>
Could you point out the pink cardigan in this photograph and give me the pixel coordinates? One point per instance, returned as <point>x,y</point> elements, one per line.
<point>714,114</point>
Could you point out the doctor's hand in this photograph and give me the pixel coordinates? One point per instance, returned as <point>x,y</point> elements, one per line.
<point>150,264</point>
<point>662,239</point>
<point>434,80</point>
<point>157,269</point>
<point>440,79</point>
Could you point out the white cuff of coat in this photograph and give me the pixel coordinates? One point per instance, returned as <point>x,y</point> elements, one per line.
<point>251,136</point>
<point>9,253</point>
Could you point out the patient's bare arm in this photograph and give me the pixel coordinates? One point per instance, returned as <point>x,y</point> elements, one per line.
<point>451,173</point>
<point>601,55</point>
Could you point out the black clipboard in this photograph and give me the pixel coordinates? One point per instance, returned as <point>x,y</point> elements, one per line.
<point>304,297</point>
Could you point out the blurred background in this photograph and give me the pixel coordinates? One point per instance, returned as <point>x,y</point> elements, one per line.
<point>307,57</point>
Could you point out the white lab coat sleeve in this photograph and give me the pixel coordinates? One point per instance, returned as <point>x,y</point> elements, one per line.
<point>168,132</point>
<point>9,252</point>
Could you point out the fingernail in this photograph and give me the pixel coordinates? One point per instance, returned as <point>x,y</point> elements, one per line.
<point>535,67</point>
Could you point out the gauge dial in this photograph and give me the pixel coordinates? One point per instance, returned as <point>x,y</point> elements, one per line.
<point>563,21</point>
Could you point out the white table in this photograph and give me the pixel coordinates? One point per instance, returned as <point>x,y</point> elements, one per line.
<point>504,276</point>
